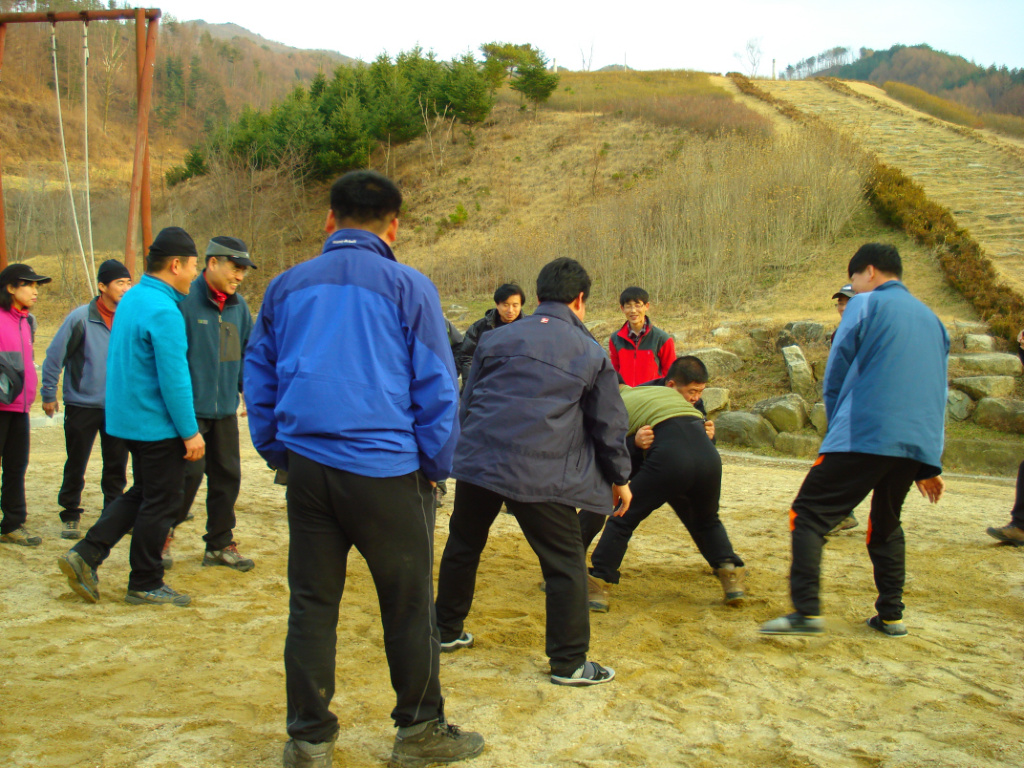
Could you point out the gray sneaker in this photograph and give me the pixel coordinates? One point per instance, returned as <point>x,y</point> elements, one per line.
<point>22,537</point>
<point>305,754</point>
<point>81,577</point>
<point>794,624</point>
<point>588,673</point>
<point>890,628</point>
<point>69,530</point>
<point>434,741</point>
<point>230,557</point>
<point>162,596</point>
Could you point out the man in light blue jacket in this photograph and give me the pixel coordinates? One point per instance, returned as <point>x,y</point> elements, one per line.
<point>885,398</point>
<point>147,376</point>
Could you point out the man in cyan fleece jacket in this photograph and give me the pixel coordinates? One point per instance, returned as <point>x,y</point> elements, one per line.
<point>147,377</point>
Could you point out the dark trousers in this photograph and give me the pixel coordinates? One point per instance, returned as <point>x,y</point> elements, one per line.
<point>836,484</point>
<point>80,428</point>
<point>223,469</point>
<point>1017,513</point>
<point>553,532</point>
<point>149,506</point>
<point>14,431</point>
<point>390,521</point>
<point>682,469</point>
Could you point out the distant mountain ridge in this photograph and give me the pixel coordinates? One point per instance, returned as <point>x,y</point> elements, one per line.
<point>230,30</point>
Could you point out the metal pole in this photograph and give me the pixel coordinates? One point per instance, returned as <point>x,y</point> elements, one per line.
<point>141,132</point>
<point>3,214</point>
<point>147,218</point>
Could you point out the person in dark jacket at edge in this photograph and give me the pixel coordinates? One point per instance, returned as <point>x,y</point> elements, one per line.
<point>508,308</point>
<point>885,399</point>
<point>543,431</point>
<point>1013,532</point>
<point>79,348</point>
<point>363,445</point>
<point>218,325</point>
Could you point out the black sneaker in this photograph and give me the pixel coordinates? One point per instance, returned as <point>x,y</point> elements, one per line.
<point>465,640</point>
<point>304,754</point>
<point>588,673</point>
<point>890,628</point>
<point>69,530</point>
<point>794,624</point>
<point>434,741</point>
<point>162,596</point>
<point>81,577</point>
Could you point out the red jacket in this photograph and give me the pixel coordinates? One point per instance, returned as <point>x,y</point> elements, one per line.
<point>647,358</point>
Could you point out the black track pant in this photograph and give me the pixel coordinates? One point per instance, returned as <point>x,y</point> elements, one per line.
<point>147,509</point>
<point>223,469</point>
<point>1017,513</point>
<point>836,484</point>
<point>682,469</point>
<point>14,442</point>
<point>552,530</point>
<point>390,522</point>
<point>80,428</point>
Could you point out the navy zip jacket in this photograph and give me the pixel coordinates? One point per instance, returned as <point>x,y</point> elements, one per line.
<point>542,418</point>
<point>216,345</point>
<point>79,349</point>
<point>350,365</point>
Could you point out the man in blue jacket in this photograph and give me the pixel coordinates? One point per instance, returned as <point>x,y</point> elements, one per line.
<point>350,386</point>
<point>885,398</point>
<point>147,376</point>
<point>80,349</point>
<point>218,324</point>
<point>543,432</point>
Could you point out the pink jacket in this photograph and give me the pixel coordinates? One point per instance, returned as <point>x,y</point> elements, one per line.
<point>16,356</point>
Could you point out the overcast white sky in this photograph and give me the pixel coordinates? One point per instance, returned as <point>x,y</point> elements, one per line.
<point>645,34</point>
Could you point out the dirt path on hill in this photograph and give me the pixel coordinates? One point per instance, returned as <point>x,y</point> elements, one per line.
<point>113,685</point>
<point>980,178</point>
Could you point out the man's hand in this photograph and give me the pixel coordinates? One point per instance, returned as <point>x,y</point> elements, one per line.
<point>931,488</point>
<point>195,447</point>
<point>621,499</point>
<point>709,427</point>
<point>644,437</point>
<point>51,408</point>
<point>242,411</point>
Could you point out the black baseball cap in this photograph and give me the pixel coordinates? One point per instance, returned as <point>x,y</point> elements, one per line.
<point>846,290</point>
<point>230,248</point>
<point>15,273</point>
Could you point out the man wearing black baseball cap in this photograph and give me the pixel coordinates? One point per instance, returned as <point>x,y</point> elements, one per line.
<point>18,381</point>
<point>217,323</point>
<point>79,348</point>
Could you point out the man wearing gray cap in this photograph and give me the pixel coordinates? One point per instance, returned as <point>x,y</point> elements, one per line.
<point>218,323</point>
<point>80,349</point>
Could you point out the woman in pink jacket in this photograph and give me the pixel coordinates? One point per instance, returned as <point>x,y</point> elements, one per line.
<point>19,289</point>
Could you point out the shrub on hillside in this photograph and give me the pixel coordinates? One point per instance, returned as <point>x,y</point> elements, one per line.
<point>932,105</point>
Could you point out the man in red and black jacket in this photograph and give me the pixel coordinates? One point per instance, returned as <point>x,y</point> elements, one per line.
<point>640,351</point>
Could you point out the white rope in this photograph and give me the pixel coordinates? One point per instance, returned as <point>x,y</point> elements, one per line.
<point>85,125</point>
<point>64,150</point>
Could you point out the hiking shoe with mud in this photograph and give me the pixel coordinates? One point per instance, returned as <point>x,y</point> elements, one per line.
<point>794,624</point>
<point>588,673</point>
<point>82,577</point>
<point>465,640</point>
<point>305,754</point>
<point>230,557</point>
<point>162,596</point>
<point>1009,534</point>
<point>69,530</point>
<point>732,579</point>
<point>890,628</point>
<point>845,524</point>
<point>435,741</point>
<point>21,537</point>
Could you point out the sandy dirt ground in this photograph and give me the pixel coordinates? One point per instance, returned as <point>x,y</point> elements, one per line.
<point>116,685</point>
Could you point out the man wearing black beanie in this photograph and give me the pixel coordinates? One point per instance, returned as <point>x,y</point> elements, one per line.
<point>80,349</point>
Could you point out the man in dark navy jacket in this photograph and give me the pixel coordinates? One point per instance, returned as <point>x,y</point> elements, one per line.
<point>363,445</point>
<point>543,431</point>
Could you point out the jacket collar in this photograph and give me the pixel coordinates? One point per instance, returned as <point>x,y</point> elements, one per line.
<point>200,286</point>
<point>360,239</point>
<point>159,285</point>
<point>562,312</point>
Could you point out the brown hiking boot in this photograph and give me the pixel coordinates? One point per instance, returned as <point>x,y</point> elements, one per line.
<point>434,741</point>
<point>1010,534</point>
<point>597,594</point>
<point>303,754</point>
<point>732,579</point>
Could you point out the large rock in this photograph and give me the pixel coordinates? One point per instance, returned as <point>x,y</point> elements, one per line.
<point>806,332</point>
<point>819,366</point>
<point>745,429</point>
<point>716,400</point>
<point>986,386</point>
<point>959,405</point>
<point>760,335</point>
<point>718,361</point>
<point>977,342</point>
<point>787,413</point>
<point>818,418</point>
<point>988,457</point>
<point>723,333</point>
<point>742,346</point>
<point>796,444</point>
<point>801,377</point>
<point>1000,413</point>
<point>970,326</point>
<point>988,363</point>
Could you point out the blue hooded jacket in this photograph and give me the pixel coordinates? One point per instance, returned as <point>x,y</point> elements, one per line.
<point>349,365</point>
<point>885,382</point>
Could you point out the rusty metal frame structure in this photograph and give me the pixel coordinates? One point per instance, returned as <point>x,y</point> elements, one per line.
<point>147,22</point>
